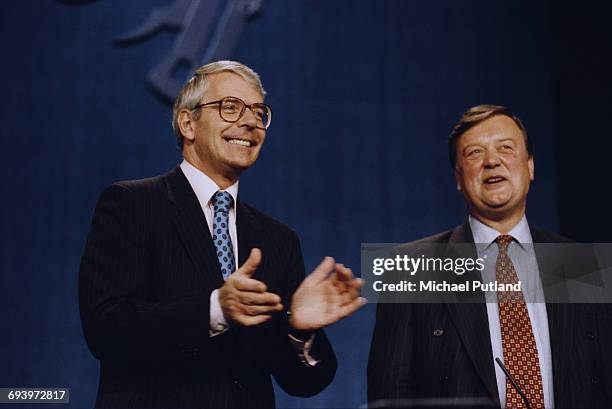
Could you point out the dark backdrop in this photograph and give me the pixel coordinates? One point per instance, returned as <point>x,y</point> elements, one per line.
<point>364,95</point>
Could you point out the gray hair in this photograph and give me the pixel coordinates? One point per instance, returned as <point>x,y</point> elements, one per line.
<point>193,91</point>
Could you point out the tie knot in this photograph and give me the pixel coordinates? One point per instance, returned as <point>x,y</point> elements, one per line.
<point>222,201</point>
<point>503,241</point>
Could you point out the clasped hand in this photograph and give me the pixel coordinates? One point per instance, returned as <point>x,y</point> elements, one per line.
<point>327,295</point>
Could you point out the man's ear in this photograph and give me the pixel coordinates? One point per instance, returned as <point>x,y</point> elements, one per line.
<point>186,124</point>
<point>531,167</point>
<point>458,180</point>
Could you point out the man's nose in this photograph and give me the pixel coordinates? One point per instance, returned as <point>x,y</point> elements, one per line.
<point>491,159</point>
<point>248,119</point>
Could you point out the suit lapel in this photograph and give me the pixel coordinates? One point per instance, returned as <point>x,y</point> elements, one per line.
<point>247,227</point>
<point>472,325</point>
<point>560,318</point>
<point>190,222</point>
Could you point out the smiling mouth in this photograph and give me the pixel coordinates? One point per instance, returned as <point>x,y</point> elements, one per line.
<point>494,179</point>
<point>241,142</point>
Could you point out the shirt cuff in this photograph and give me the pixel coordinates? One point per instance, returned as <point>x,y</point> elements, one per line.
<point>303,348</point>
<point>218,323</point>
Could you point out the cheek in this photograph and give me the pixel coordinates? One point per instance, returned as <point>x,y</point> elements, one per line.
<point>215,130</point>
<point>471,175</point>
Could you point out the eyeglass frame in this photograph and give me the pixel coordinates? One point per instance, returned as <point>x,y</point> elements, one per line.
<point>244,108</point>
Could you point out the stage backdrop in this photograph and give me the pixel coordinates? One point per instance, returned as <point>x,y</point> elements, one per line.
<point>364,95</point>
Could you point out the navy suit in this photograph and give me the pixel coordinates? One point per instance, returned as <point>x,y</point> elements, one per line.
<point>146,276</point>
<point>422,351</point>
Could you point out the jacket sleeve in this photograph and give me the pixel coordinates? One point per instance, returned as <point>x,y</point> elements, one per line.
<point>295,377</point>
<point>118,320</point>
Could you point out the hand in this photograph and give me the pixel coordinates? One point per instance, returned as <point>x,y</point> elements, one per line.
<point>327,295</point>
<point>245,300</point>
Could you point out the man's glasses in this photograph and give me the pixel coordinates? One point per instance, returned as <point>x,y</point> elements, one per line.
<point>231,109</point>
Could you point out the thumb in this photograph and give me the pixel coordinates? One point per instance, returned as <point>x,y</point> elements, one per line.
<point>251,263</point>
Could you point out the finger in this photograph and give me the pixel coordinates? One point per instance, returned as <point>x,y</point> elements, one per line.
<point>254,298</point>
<point>343,280</point>
<point>323,269</point>
<point>251,263</point>
<point>348,285</point>
<point>346,298</point>
<point>351,307</point>
<point>341,287</point>
<point>355,287</point>
<point>249,284</point>
<point>254,310</point>
<point>348,295</point>
<point>344,273</point>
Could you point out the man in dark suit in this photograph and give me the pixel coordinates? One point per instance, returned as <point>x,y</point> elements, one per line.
<point>432,354</point>
<point>173,320</point>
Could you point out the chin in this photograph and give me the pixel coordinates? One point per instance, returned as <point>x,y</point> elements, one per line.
<point>497,207</point>
<point>242,162</point>
<point>239,167</point>
<point>497,201</point>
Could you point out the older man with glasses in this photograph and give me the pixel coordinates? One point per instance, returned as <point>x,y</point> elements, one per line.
<point>191,298</point>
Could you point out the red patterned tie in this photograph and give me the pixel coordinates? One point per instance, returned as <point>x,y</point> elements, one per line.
<point>520,350</point>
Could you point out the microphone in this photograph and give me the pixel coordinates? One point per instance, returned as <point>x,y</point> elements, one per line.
<point>513,382</point>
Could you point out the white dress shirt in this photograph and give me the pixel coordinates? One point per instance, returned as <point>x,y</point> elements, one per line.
<point>525,263</point>
<point>204,188</point>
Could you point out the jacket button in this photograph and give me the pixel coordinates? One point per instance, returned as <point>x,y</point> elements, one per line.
<point>438,332</point>
<point>443,378</point>
<point>590,336</point>
<point>237,384</point>
<point>595,380</point>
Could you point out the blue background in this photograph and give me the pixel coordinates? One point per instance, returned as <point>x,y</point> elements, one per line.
<point>364,94</point>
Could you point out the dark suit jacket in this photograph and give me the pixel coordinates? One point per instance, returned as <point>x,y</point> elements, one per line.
<point>146,276</point>
<point>407,361</point>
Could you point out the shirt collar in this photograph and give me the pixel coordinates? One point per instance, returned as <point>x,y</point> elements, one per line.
<point>203,186</point>
<point>485,234</point>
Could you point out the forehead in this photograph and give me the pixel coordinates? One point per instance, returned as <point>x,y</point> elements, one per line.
<point>495,128</point>
<point>229,84</point>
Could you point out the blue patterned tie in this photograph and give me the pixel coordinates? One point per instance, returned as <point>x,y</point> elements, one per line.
<point>222,202</point>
